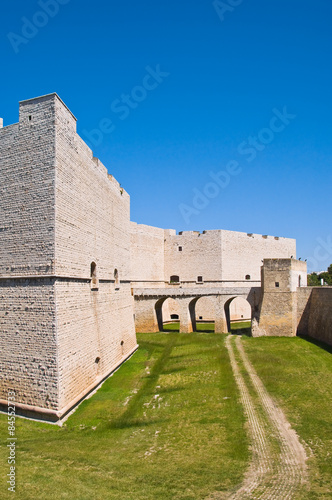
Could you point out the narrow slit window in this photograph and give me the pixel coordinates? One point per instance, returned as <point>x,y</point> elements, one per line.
<point>93,276</point>
<point>93,270</point>
<point>116,278</point>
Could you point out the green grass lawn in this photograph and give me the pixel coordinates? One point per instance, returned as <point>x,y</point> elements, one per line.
<point>298,374</point>
<point>241,327</point>
<point>167,425</point>
<point>201,327</point>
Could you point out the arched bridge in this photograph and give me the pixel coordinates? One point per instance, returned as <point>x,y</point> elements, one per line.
<point>149,302</point>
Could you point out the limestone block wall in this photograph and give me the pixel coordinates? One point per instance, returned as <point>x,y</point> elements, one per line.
<point>27,191</point>
<point>92,210</point>
<point>147,255</point>
<point>95,327</point>
<point>95,332</point>
<point>222,257</point>
<point>28,356</point>
<point>303,301</point>
<point>191,254</point>
<point>60,212</point>
<point>278,308</point>
<point>242,254</point>
<point>315,313</point>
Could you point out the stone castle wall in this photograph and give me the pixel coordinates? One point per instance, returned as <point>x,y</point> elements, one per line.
<point>219,257</point>
<point>315,313</point>
<point>27,192</point>
<point>28,356</point>
<point>191,254</point>
<point>147,256</point>
<point>215,258</point>
<point>60,212</point>
<point>242,254</point>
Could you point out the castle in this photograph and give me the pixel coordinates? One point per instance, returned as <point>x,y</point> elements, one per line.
<point>76,276</point>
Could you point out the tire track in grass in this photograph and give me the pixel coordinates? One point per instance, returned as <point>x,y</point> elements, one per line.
<point>261,463</point>
<point>291,462</point>
<point>271,475</point>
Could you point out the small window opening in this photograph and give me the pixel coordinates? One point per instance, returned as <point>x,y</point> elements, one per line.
<point>174,316</point>
<point>97,360</point>
<point>116,277</point>
<point>93,275</point>
<point>180,249</point>
<point>277,284</point>
<point>300,281</point>
<point>93,270</point>
<point>200,279</point>
<point>174,279</point>
<point>30,118</point>
<point>247,276</point>
<point>200,317</point>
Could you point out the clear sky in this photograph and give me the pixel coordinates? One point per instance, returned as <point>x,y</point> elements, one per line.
<point>212,115</point>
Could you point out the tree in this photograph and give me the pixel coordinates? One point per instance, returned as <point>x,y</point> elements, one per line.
<point>313,279</point>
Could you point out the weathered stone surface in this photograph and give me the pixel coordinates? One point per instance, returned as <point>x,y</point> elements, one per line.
<point>60,212</point>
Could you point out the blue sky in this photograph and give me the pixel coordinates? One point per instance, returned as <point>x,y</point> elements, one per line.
<point>172,95</point>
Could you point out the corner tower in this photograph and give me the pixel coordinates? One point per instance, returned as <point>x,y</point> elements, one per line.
<point>66,311</point>
<point>278,310</point>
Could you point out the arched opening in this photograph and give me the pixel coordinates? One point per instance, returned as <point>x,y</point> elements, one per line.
<point>238,314</point>
<point>168,315</point>
<point>93,270</point>
<point>204,314</point>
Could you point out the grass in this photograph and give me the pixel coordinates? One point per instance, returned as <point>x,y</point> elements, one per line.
<point>298,374</point>
<point>201,327</point>
<point>241,327</point>
<point>167,425</point>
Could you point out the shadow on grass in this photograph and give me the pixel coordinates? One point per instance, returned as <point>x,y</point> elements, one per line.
<point>318,343</point>
<point>241,328</point>
<point>241,331</point>
<point>201,327</point>
<point>174,370</point>
<point>130,417</point>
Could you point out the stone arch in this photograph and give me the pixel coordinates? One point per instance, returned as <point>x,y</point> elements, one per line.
<point>186,312</point>
<point>228,312</point>
<point>202,308</point>
<point>158,307</point>
<point>165,308</point>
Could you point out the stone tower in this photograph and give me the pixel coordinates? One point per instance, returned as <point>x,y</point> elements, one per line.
<point>278,310</point>
<point>66,310</point>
